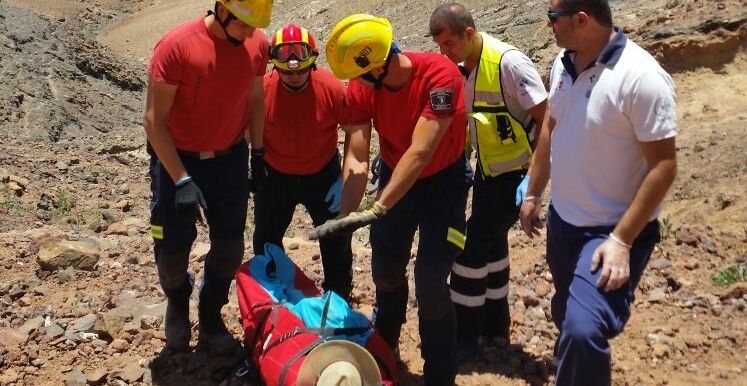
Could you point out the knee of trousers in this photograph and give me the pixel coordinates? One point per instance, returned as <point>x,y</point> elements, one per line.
<point>172,268</point>
<point>389,280</point>
<point>434,301</point>
<point>583,331</point>
<point>224,258</point>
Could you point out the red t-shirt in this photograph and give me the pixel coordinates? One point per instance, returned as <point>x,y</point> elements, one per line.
<point>215,78</point>
<point>300,134</point>
<point>435,90</point>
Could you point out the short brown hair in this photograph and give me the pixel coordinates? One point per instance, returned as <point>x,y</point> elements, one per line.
<point>598,9</point>
<point>452,16</point>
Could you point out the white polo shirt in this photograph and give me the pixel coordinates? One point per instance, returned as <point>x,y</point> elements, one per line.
<point>601,115</point>
<point>521,86</point>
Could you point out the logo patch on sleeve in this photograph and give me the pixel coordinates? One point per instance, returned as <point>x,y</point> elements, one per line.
<point>442,99</point>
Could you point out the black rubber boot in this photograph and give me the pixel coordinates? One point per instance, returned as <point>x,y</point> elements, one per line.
<point>177,326</point>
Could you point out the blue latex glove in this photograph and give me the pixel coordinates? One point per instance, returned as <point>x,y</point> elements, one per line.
<point>333,196</point>
<point>521,190</point>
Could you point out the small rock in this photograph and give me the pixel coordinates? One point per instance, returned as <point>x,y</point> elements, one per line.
<point>200,251</point>
<point>75,378</point>
<point>150,322</point>
<point>123,205</point>
<point>66,275</point>
<point>12,338</point>
<point>693,340</point>
<point>735,291</point>
<point>54,330</point>
<point>130,373</point>
<point>84,324</point>
<point>710,246</point>
<point>684,236</point>
<point>691,264</point>
<point>117,228</point>
<point>8,376</point>
<point>657,295</point>
<point>660,350</point>
<point>693,368</point>
<point>660,263</point>
<point>527,296</point>
<point>20,181</point>
<point>96,377</point>
<point>119,345</point>
<point>542,289</point>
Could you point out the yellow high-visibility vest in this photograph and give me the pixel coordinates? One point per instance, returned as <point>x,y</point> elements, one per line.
<point>502,144</point>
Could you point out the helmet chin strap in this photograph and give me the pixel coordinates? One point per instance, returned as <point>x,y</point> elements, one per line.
<point>378,82</point>
<point>296,88</point>
<point>224,24</point>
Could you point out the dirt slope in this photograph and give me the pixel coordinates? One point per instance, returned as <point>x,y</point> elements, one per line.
<point>73,166</point>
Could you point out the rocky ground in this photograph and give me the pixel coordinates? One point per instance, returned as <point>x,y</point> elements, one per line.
<point>79,298</point>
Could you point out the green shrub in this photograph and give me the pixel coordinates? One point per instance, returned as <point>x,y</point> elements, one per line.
<point>731,274</point>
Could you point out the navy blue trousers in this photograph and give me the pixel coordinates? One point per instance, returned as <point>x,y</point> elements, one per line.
<point>587,316</point>
<point>435,207</point>
<point>223,182</point>
<point>274,205</point>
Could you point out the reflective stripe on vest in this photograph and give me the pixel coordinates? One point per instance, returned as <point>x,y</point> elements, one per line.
<point>502,144</point>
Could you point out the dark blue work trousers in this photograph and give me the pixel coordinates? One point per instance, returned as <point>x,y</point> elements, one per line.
<point>435,207</point>
<point>274,205</point>
<point>223,182</point>
<point>587,316</point>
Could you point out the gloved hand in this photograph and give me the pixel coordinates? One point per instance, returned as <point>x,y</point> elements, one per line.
<point>521,190</point>
<point>257,169</point>
<point>187,198</point>
<point>349,223</point>
<point>333,196</point>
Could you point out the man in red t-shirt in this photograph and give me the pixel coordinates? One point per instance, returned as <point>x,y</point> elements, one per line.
<point>205,101</point>
<point>304,106</point>
<point>416,103</point>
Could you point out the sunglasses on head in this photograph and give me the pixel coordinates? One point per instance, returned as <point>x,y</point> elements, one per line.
<point>288,51</point>
<point>553,16</point>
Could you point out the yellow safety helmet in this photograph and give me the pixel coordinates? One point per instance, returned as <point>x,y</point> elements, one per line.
<point>358,44</point>
<point>255,13</point>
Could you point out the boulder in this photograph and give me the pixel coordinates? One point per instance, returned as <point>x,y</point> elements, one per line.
<point>82,254</point>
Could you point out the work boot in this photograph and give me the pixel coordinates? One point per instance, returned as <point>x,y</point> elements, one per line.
<point>467,349</point>
<point>215,338</point>
<point>177,326</point>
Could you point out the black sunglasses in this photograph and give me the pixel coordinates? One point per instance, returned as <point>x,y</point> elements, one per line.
<point>555,15</point>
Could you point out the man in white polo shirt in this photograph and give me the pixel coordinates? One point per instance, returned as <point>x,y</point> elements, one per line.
<point>610,136</point>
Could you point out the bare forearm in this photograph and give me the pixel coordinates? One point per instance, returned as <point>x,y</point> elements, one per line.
<point>354,177</point>
<point>539,170</point>
<point>650,194</point>
<point>404,176</point>
<point>163,145</point>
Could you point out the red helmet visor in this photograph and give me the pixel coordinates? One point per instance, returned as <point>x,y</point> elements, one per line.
<point>288,51</point>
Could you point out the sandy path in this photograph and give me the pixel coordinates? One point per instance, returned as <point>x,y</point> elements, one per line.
<point>136,36</point>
